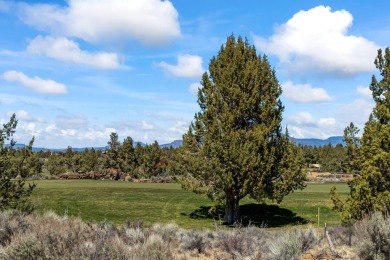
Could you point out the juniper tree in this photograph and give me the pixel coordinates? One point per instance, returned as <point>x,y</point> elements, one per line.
<point>235,146</point>
<point>13,193</point>
<point>371,189</point>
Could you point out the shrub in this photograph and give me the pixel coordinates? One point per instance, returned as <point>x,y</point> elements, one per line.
<point>241,243</point>
<point>193,240</point>
<point>292,244</point>
<point>12,223</point>
<point>156,248</point>
<point>373,237</point>
<point>28,247</point>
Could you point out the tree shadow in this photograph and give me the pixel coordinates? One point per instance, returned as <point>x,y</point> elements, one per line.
<point>269,216</point>
<point>261,215</point>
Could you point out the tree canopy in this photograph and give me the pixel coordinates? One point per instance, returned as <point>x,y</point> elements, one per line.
<point>235,146</point>
<point>371,189</point>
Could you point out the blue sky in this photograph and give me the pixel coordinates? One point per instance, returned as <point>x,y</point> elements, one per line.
<point>75,71</point>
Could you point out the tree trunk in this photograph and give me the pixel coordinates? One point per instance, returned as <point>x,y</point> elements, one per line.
<point>232,208</point>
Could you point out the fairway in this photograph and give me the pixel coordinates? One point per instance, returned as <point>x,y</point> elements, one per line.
<point>115,202</point>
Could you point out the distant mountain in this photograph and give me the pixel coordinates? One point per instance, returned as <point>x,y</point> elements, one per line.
<point>174,144</point>
<point>334,140</point>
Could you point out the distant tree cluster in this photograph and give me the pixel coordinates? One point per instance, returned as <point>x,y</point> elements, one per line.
<point>124,157</point>
<point>330,158</point>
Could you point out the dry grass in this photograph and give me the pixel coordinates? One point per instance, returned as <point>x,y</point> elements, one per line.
<point>50,236</point>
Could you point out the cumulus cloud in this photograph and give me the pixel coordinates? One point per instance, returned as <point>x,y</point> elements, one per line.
<point>305,125</point>
<point>146,125</point>
<point>23,115</point>
<point>194,87</point>
<point>63,49</point>
<point>152,22</point>
<point>188,66</point>
<point>325,122</point>
<point>179,127</point>
<point>46,86</point>
<point>304,93</point>
<point>317,40</point>
<point>365,92</point>
<point>302,118</point>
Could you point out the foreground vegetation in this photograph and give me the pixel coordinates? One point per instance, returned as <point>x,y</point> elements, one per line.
<point>115,201</point>
<point>50,236</point>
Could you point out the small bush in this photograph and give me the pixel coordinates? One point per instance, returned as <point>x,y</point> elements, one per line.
<point>167,232</point>
<point>193,241</point>
<point>240,243</point>
<point>12,223</point>
<point>134,236</point>
<point>373,237</point>
<point>156,248</point>
<point>27,247</point>
<point>292,244</point>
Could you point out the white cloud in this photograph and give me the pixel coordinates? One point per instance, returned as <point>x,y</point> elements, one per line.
<point>29,130</point>
<point>51,128</point>
<point>146,126</point>
<point>317,40</point>
<point>325,122</point>
<point>194,87</point>
<point>304,93</point>
<point>179,127</point>
<point>365,92</point>
<point>152,22</point>
<point>23,115</point>
<point>63,49</point>
<point>188,66</point>
<point>68,132</point>
<point>304,125</point>
<point>301,118</point>
<point>46,86</point>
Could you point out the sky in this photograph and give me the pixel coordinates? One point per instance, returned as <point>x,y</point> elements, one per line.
<point>75,71</point>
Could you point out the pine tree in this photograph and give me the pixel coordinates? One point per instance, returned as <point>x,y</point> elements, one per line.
<point>235,147</point>
<point>371,189</point>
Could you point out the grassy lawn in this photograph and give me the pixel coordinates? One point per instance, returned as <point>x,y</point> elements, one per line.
<point>164,203</point>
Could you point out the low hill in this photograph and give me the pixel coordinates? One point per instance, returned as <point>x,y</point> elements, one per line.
<point>334,140</point>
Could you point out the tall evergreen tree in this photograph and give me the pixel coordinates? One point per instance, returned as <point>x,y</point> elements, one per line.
<point>352,146</point>
<point>235,147</point>
<point>371,189</point>
<point>127,156</point>
<point>112,153</point>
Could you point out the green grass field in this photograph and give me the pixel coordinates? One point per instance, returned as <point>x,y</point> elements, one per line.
<point>115,202</point>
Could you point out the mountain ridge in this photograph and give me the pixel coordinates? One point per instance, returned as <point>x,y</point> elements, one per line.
<point>333,140</point>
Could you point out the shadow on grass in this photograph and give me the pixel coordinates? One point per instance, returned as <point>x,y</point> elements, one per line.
<point>255,214</point>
